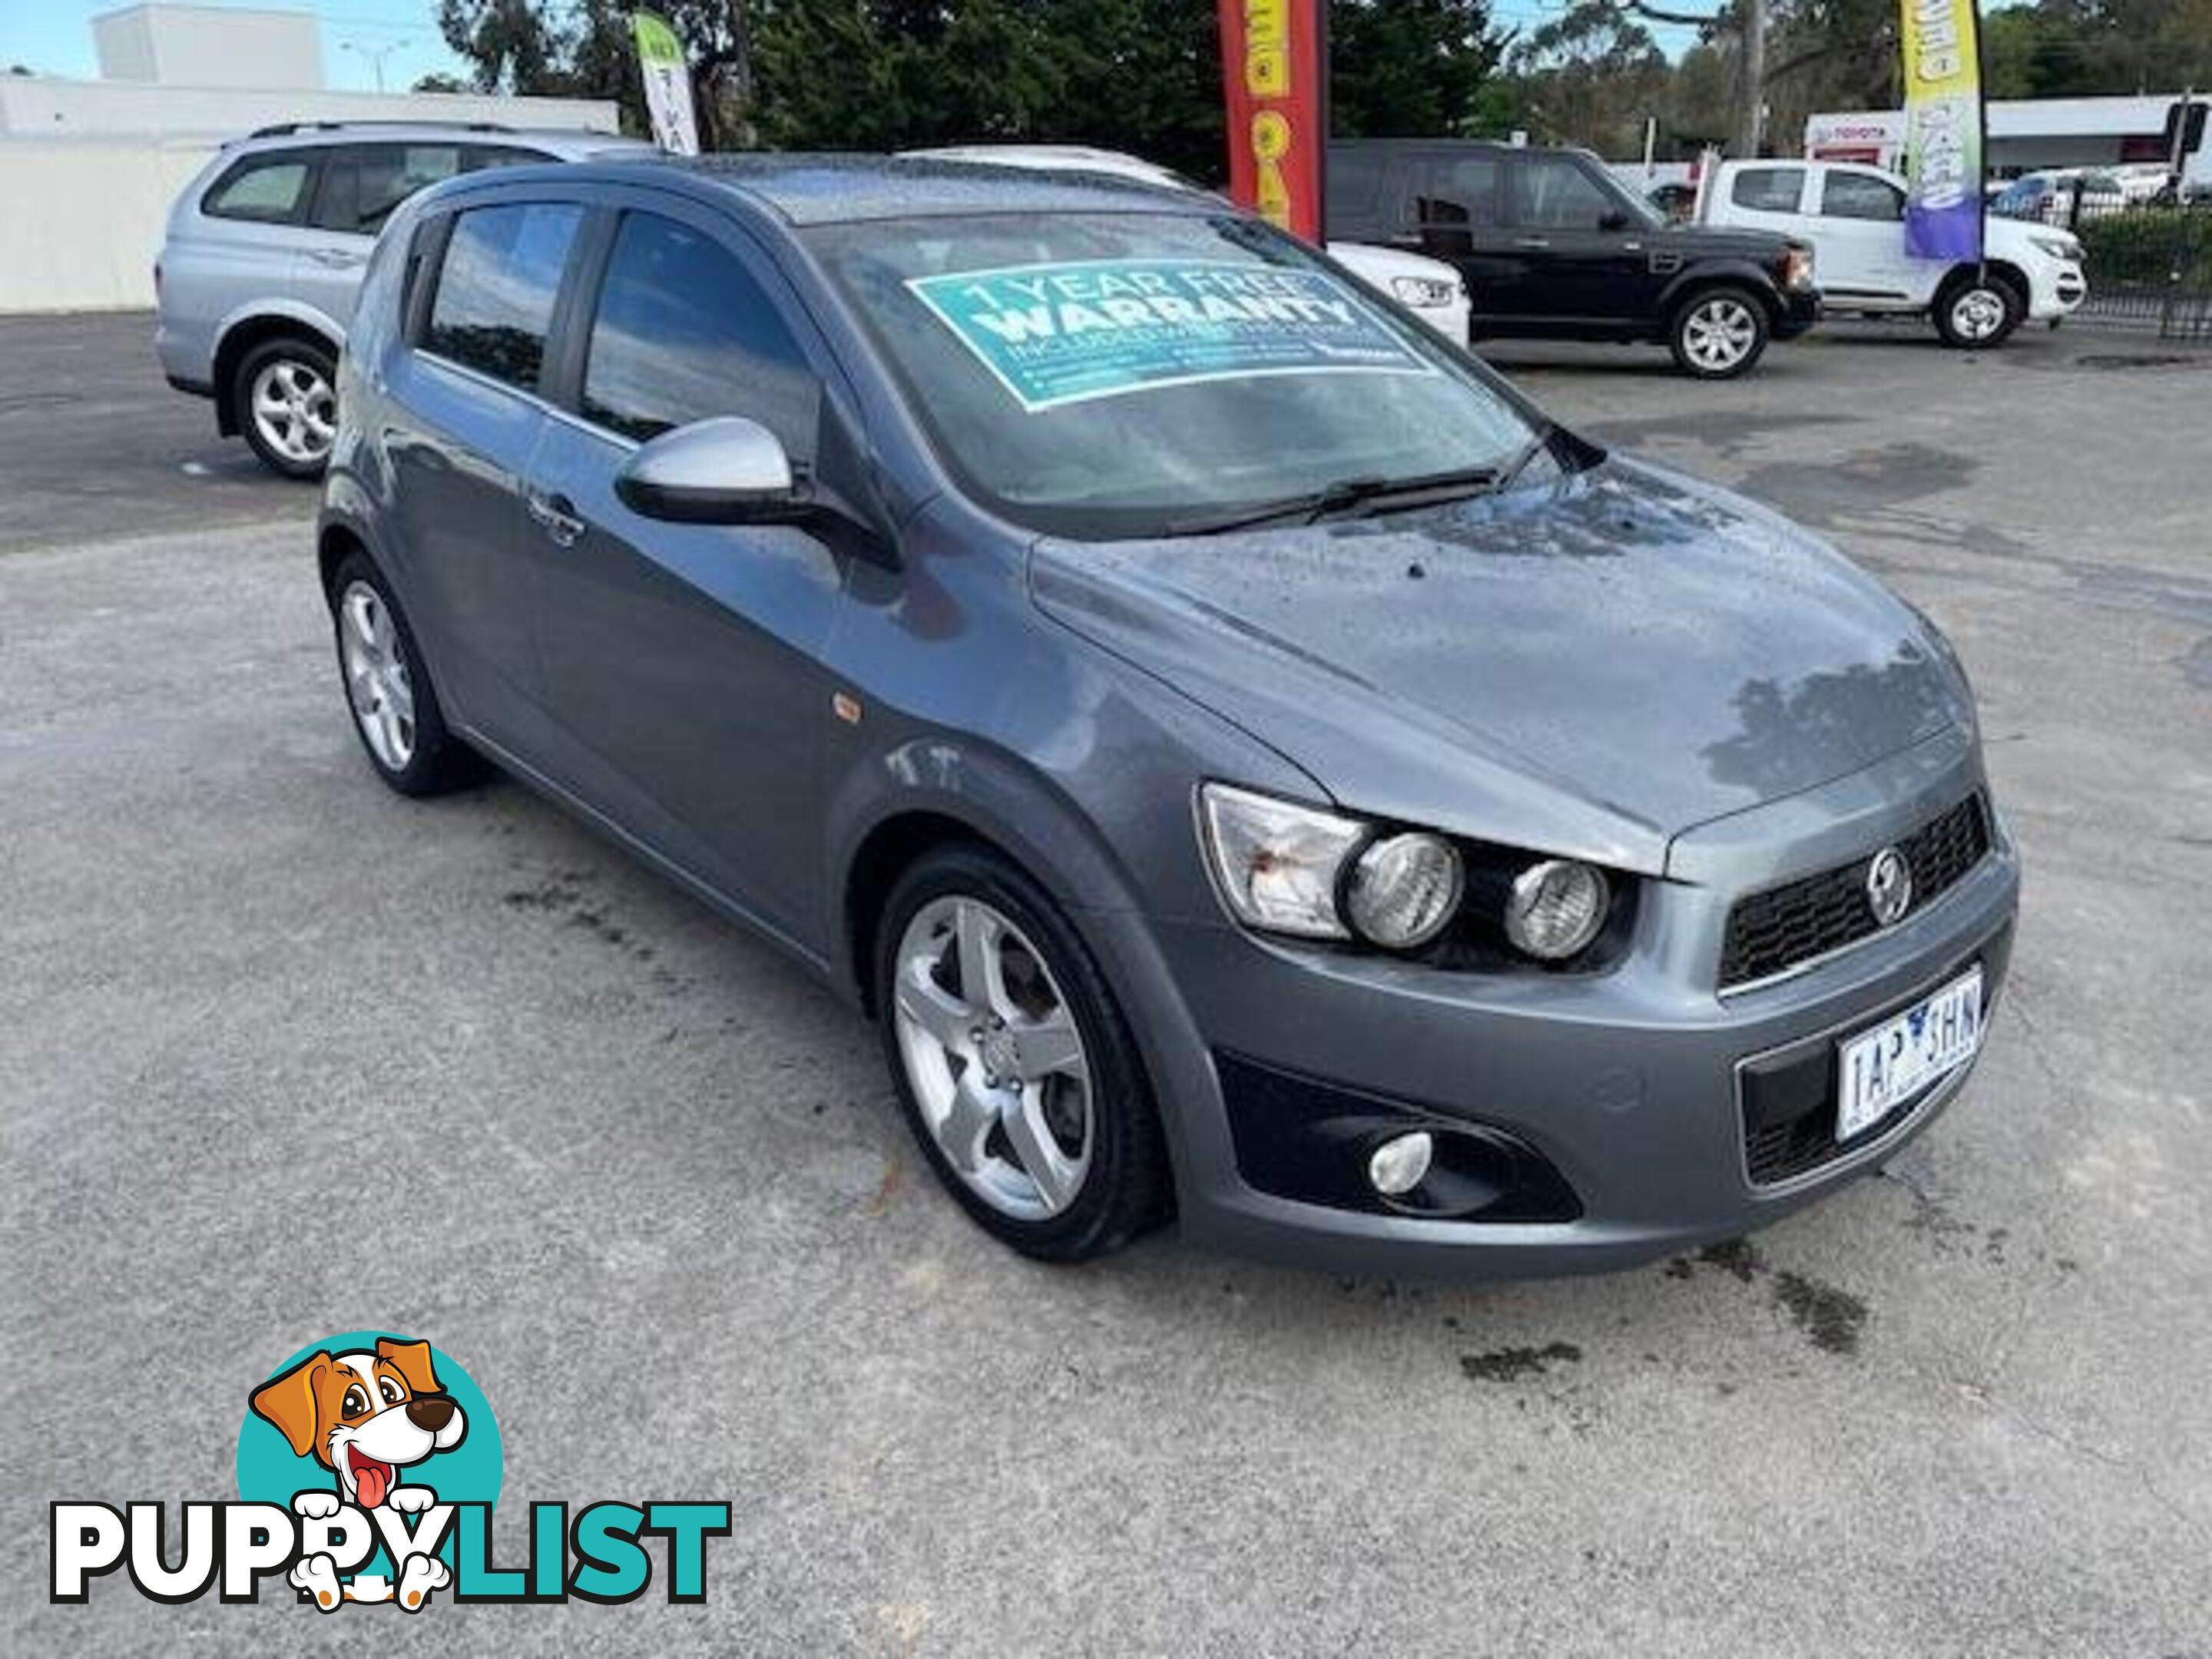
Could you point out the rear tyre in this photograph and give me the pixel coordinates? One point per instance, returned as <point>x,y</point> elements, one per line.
<point>286,393</point>
<point>395,708</point>
<point>1718,333</point>
<point>1015,1070</point>
<point>1976,311</point>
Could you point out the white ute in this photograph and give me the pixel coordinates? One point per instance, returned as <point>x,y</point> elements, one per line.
<point>1854,216</point>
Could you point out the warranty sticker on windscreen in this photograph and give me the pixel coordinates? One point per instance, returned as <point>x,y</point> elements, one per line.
<point>1054,334</point>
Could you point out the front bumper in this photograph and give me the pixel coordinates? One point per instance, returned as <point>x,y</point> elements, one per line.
<point>1626,1083</point>
<point>1801,310</point>
<point>2057,292</point>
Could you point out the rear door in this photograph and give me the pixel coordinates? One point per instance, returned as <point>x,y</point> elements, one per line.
<point>1858,239</point>
<point>360,185</point>
<point>684,661</point>
<point>468,412</point>
<point>1584,263</point>
<point>1458,212</point>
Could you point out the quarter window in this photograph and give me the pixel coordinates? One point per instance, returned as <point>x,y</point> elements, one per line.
<point>494,303</point>
<point>1858,196</point>
<point>268,189</point>
<point>1768,190</point>
<point>685,332</point>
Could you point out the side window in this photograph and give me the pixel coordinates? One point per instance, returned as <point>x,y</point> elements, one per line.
<point>1461,191</point>
<point>1551,192</point>
<point>1768,190</point>
<point>362,185</point>
<point>270,189</point>
<point>495,290</point>
<point>1861,196</point>
<point>1355,183</point>
<point>480,156</point>
<point>683,332</point>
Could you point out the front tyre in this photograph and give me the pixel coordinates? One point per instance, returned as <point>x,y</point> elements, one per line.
<point>286,394</point>
<point>1977,310</point>
<point>1015,1070</point>
<point>1718,333</point>
<point>394,706</point>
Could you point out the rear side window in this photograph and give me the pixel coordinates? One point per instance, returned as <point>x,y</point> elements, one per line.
<point>269,189</point>
<point>502,273</point>
<point>684,332</point>
<point>361,186</point>
<point>480,156</point>
<point>1768,190</point>
<point>1855,196</point>
<point>1462,190</point>
<point>1355,180</point>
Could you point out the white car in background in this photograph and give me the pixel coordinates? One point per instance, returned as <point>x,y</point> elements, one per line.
<point>1428,288</point>
<point>1854,216</point>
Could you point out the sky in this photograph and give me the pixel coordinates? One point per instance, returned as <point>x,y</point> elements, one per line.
<point>54,37</point>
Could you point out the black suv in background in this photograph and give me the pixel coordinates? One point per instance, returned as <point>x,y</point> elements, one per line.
<point>1551,246</point>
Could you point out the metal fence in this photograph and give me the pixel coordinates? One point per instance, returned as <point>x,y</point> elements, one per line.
<point>2150,263</point>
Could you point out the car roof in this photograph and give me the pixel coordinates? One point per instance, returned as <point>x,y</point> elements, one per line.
<point>837,188</point>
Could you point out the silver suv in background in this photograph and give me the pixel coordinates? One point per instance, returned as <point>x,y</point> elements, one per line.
<point>264,252</point>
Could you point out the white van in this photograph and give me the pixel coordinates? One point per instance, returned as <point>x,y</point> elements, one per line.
<point>1854,216</point>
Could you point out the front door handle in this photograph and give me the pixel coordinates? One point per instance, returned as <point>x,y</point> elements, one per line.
<point>336,258</point>
<point>1532,242</point>
<point>555,515</point>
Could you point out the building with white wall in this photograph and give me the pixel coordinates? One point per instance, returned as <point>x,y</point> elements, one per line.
<point>210,46</point>
<point>89,168</point>
<point>2026,135</point>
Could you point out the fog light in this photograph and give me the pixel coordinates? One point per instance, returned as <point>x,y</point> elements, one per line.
<point>1400,1162</point>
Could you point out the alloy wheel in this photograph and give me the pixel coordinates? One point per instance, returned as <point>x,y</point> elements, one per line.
<point>995,1058</point>
<point>1977,313</point>
<point>377,683</point>
<point>295,409</point>
<point>1719,333</point>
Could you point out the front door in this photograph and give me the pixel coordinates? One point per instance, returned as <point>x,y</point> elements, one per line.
<point>1587,264</point>
<point>683,661</point>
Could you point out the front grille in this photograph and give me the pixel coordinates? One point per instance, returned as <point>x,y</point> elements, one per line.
<point>1772,932</point>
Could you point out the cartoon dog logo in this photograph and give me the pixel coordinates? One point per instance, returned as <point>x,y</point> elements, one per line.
<point>365,1417</point>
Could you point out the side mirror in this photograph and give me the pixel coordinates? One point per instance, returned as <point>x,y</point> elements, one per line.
<point>1613,219</point>
<point>725,470</point>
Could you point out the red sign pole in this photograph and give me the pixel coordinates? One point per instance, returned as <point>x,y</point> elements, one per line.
<point>1275,76</point>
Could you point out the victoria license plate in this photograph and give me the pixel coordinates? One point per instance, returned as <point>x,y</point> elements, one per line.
<point>1882,1068</point>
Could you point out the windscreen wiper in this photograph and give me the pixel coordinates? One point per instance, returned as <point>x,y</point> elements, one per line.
<point>1370,494</point>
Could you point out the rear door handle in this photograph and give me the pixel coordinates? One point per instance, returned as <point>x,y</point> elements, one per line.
<point>337,258</point>
<point>1532,242</point>
<point>555,515</point>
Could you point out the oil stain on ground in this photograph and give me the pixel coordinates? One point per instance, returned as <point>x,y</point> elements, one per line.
<point>1511,1364</point>
<point>1831,1319</point>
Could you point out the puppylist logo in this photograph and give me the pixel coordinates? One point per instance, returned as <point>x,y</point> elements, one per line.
<point>367,1467</point>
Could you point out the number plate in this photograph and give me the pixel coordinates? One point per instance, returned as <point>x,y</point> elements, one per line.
<point>1880,1069</point>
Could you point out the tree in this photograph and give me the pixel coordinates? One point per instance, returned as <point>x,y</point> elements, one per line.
<point>1412,68</point>
<point>1592,77</point>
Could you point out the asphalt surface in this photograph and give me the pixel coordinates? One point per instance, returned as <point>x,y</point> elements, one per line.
<point>283,1056</point>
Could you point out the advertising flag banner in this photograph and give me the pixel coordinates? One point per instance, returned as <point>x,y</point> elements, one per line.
<point>1275,82</point>
<point>667,86</point>
<point>1942,130</point>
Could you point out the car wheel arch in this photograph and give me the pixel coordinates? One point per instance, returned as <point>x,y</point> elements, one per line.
<point>1704,278</point>
<point>242,336</point>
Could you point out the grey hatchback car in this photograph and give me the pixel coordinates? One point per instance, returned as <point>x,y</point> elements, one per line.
<point>1249,763</point>
<point>265,251</point>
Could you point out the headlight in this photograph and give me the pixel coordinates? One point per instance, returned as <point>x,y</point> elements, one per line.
<point>1424,292</point>
<point>2057,247</point>
<point>1403,889</point>
<point>1277,863</point>
<point>1555,907</point>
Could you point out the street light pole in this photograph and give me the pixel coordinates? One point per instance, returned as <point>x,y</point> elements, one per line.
<point>376,55</point>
